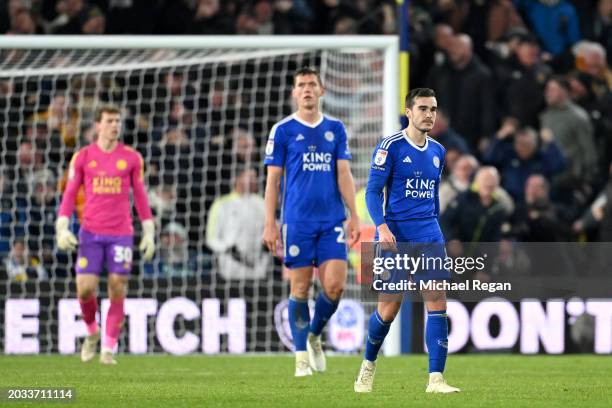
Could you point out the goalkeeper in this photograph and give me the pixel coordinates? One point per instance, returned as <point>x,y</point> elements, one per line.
<point>107,169</point>
<point>312,151</point>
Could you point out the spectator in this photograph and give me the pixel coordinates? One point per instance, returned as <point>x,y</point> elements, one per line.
<point>163,202</point>
<point>537,219</point>
<point>7,216</point>
<point>554,21</point>
<point>572,130</point>
<point>458,181</point>
<point>464,88</point>
<point>476,215</point>
<point>521,81</point>
<point>234,230</point>
<point>518,157</point>
<point>210,19</point>
<point>599,214</point>
<point>22,22</point>
<point>20,267</point>
<point>175,259</point>
<point>62,120</point>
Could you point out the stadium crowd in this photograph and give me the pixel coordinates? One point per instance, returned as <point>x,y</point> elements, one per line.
<point>524,91</point>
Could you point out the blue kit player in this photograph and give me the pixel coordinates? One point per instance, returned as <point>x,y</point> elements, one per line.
<point>402,198</point>
<point>309,153</point>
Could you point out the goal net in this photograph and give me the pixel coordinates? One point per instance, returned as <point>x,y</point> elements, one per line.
<point>199,111</point>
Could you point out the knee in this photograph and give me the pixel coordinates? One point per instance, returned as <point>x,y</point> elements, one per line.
<point>300,290</point>
<point>389,311</point>
<point>85,293</point>
<point>334,292</point>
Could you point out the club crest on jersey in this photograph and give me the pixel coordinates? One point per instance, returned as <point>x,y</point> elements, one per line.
<point>329,136</point>
<point>270,147</point>
<point>294,250</point>
<point>436,162</point>
<point>121,164</point>
<point>381,157</point>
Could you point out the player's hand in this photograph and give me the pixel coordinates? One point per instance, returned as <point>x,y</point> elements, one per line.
<point>66,241</point>
<point>270,237</point>
<point>386,238</point>
<point>353,230</point>
<point>147,243</point>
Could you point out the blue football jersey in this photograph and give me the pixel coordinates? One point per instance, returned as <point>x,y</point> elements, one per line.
<point>405,177</point>
<point>308,153</point>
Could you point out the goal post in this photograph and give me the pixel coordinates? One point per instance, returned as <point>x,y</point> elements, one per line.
<point>198,108</point>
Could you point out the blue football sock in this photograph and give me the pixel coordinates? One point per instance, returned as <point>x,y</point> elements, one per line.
<point>436,338</point>
<point>299,320</point>
<point>324,309</point>
<point>377,331</point>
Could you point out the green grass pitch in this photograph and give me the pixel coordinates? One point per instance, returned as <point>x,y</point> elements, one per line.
<point>267,381</point>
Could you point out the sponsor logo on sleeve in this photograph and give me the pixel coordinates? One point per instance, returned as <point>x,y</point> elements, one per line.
<point>381,157</point>
<point>270,147</point>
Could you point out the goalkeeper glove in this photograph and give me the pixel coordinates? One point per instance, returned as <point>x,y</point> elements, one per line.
<point>147,243</point>
<point>66,241</point>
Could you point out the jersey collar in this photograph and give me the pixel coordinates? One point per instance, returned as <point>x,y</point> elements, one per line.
<point>310,125</point>
<point>409,140</point>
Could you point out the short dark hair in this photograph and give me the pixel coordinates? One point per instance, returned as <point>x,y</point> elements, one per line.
<point>418,93</point>
<point>562,81</point>
<point>307,71</point>
<point>107,108</point>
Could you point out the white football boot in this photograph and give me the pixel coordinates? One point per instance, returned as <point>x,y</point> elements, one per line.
<point>89,348</point>
<point>302,367</point>
<point>107,357</point>
<point>365,379</point>
<point>316,356</point>
<point>437,384</point>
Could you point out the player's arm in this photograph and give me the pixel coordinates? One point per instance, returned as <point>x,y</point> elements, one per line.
<point>346,184</point>
<point>379,174</point>
<point>276,152</point>
<point>141,201</point>
<point>271,234</point>
<point>437,188</point>
<point>66,241</point>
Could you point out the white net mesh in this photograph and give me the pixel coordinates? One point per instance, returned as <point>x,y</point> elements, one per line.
<point>200,118</point>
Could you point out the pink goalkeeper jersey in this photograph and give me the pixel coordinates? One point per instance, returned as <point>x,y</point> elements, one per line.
<point>107,178</point>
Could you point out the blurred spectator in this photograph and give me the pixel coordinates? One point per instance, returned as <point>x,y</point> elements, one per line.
<point>175,259</point>
<point>518,156</point>
<point>7,216</point>
<point>476,215</point>
<point>537,219</point>
<point>234,229</point>
<point>554,21</point>
<point>464,88</point>
<point>20,267</point>
<point>572,130</point>
<point>21,21</point>
<point>458,181</point>
<point>599,110</point>
<point>61,118</point>
<point>163,202</point>
<point>293,16</point>
<point>29,161</point>
<point>210,19</point>
<point>599,214</point>
<point>521,81</point>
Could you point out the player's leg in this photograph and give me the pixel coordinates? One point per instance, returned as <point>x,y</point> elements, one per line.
<point>298,244</point>
<point>436,327</point>
<point>299,317</point>
<point>436,338</point>
<point>332,274</point>
<point>89,265</point>
<point>378,328</point>
<point>119,265</point>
